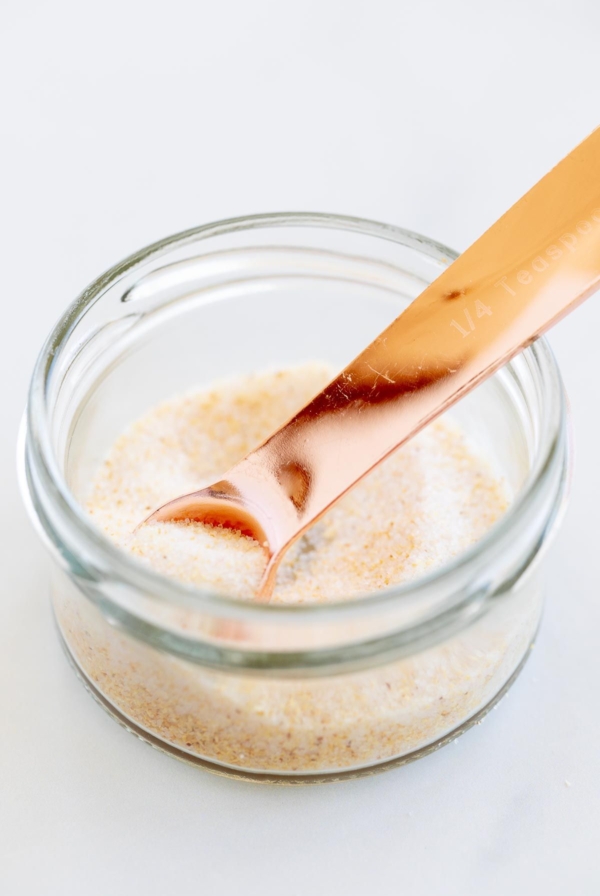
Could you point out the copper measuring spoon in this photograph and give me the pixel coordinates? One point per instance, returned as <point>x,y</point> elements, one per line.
<point>533,266</point>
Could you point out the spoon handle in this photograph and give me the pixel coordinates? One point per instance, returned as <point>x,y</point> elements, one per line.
<point>533,266</point>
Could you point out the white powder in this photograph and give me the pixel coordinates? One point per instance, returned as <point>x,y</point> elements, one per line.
<point>433,499</point>
<point>428,502</point>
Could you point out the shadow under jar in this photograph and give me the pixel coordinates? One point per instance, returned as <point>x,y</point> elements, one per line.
<point>279,693</point>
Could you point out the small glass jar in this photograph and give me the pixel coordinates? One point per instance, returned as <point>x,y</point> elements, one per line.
<point>270,692</point>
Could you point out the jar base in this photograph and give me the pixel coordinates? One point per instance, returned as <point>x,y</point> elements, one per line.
<point>270,777</point>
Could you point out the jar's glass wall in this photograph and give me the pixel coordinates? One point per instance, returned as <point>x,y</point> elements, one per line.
<point>234,301</point>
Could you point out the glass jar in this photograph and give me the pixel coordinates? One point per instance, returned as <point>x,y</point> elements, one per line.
<point>271,692</point>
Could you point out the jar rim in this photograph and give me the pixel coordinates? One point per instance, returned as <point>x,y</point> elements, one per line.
<point>40,469</point>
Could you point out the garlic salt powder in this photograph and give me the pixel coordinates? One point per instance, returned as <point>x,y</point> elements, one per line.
<point>421,507</point>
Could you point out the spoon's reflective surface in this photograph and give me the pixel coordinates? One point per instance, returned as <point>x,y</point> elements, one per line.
<point>533,266</point>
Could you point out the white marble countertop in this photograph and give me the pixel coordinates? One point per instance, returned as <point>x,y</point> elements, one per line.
<point>124,121</point>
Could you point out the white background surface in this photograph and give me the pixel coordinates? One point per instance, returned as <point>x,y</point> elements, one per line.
<point>121,122</point>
